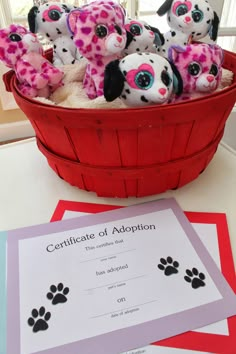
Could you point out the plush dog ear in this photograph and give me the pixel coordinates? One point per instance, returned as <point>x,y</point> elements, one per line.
<point>73,16</point>
<point>129,39</point>
<point>159,38</point>
<point>213,31</point>
<point>218,51</point>
<point>32,19</point>
<point>113,81</point>
<point>121,10</point>
<point>165,7</point>
<point>177,80</point>
<point>173,52</point>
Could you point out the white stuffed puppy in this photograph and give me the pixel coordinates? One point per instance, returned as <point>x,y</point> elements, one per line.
<point>188,20</point>
<point>50,20</point>
<point>141,37</point>
<point>141,79</point>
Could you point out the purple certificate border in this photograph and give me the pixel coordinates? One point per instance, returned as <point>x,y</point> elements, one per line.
<point>135,336</point>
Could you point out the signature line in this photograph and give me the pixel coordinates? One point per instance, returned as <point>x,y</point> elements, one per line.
<point>117,282</point>
<point>109,255</point>
<point>127,308</point>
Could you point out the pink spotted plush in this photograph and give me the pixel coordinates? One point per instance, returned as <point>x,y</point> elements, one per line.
<point>21,51</point>
<point>99,34</point>
<point>200,66</point>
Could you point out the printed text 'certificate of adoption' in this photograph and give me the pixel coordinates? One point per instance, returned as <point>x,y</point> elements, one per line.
<point>111,282</point>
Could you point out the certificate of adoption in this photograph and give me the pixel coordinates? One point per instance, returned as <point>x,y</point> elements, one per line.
<point>110,282</point>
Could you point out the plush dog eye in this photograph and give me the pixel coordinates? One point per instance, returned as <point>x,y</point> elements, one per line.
<point>181,10</point>
<point>144,80</point>
<point>197,15</point>
<point>194,69</point>
<point>15,37</point>
<point>165,78</point>
<point>136,29</point>
<point>54,15</point>
<point>101,31</point>
<point>118,29</point>
<point>214,70</point>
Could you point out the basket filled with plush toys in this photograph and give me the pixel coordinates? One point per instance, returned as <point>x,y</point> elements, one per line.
<point>118,107</point>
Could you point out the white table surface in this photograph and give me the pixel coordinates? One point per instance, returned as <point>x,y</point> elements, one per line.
<point>30,190</point>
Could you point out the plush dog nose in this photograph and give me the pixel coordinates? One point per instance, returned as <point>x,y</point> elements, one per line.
<point>210,78</point>
<point>162,91</point>
<point>187,19</point>
<point>119,39</point>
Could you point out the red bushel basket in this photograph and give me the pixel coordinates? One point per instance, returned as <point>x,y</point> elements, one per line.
<point>133,151</point>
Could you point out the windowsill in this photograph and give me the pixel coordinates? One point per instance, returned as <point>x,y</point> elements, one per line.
<point>16,130</point>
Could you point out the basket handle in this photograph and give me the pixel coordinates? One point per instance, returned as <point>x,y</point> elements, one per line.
<point>7,77</point>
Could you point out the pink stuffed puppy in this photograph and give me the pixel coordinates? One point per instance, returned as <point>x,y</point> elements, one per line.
<point>200,66</point>
<point>21,51</point>
<point>100,36</point>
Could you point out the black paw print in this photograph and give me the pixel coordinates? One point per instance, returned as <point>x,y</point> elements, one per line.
<point>195,278</point>
<point>58,294</point>
<point>39,324</point>
<point>168,265</point>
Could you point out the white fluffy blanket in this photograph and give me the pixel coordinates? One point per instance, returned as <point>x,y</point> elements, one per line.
<point>72,94</point>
